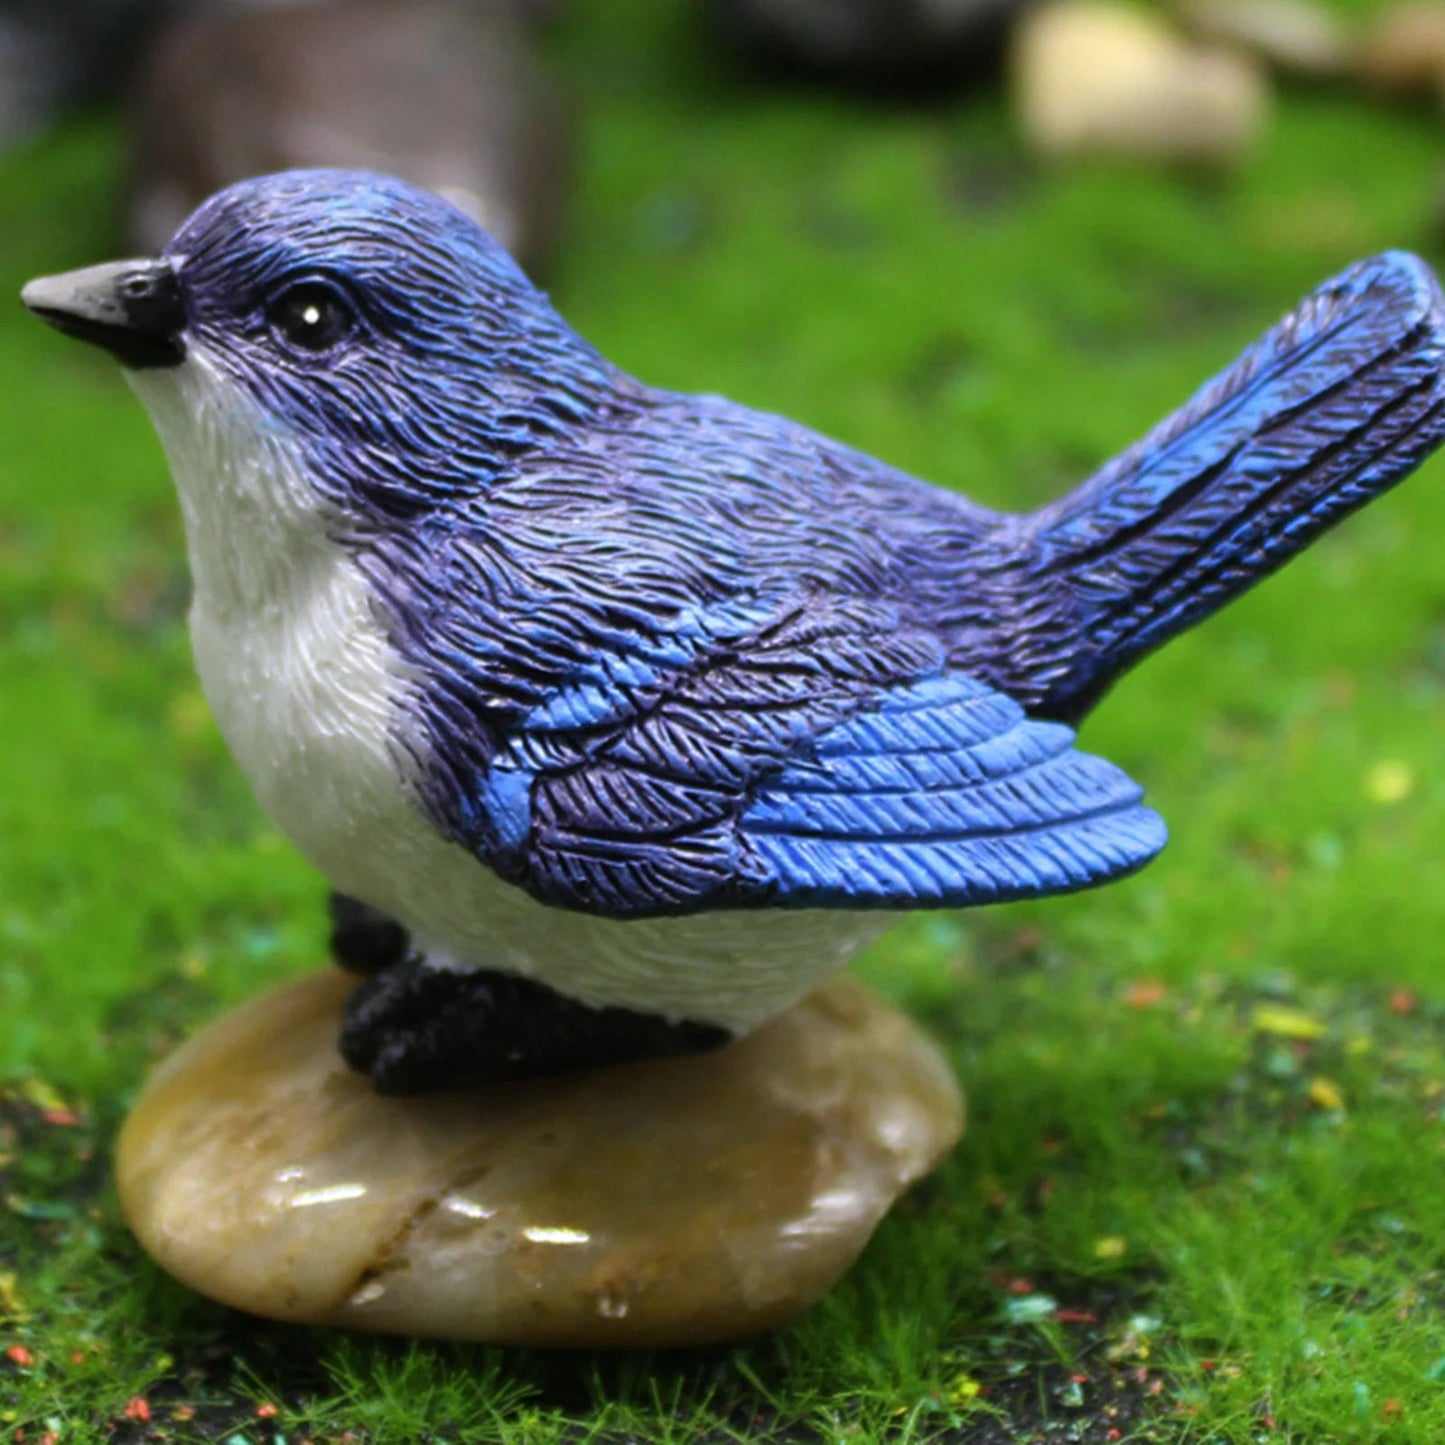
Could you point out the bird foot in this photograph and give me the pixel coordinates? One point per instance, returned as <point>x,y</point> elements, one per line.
<point>363,938</point>
<point>415,1028</point>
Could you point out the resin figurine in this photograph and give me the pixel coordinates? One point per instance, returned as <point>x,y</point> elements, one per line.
<point>641,712</point>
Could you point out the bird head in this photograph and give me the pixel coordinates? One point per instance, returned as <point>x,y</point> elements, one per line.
<point>369,326</point>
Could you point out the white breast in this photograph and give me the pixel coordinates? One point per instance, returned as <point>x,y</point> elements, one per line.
<point>308,695</point>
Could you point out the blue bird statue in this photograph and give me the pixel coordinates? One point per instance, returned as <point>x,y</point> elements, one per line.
<point>622,717</point>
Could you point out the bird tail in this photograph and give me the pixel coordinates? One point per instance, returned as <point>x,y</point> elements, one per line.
<point>1343,399</point>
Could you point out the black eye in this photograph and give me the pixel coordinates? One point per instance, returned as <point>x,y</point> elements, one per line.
<point>311,316</point>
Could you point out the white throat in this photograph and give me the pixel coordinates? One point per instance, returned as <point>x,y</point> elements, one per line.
<point>290,650</point>
<point>255,527</point>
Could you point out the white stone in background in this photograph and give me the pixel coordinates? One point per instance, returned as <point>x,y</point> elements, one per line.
<point>1297,36</point>
<point>1094,78</point>
<point>679,1202</point>
<point>1403,50</point>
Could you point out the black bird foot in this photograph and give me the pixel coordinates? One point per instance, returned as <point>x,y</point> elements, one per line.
<point>363,938</point>
<point>416,1029</point>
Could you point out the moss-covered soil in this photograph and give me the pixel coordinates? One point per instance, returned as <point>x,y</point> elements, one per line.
<point>1202,1196</point>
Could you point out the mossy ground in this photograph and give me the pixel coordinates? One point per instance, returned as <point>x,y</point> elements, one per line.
<point>1202,1197</point>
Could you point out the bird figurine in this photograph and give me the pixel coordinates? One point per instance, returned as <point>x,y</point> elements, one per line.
<point>624,717</point>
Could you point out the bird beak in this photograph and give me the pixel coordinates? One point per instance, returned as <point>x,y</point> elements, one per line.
<point>134,309</point>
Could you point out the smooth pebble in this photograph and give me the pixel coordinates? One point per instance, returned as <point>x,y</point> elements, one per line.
<point>1403,51</point>
<point>677,1202</point>
<point>1095,78</point>
<point>1295,36</point>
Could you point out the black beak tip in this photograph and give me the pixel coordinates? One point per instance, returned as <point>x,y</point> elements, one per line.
<point>133,309</point>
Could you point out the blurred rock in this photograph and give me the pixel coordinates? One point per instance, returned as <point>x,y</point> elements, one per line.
<point>445,93</point>
<point>1295,36</point>
<point>879,40</point>
<point>59,53</point>
<point>541,12</point>
<point>1095,78</point>
<point>35,80</point>
<point>1403,51</point>
<point>678,1202</point>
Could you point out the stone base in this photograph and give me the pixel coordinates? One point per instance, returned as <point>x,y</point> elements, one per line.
<point>679,1202</point>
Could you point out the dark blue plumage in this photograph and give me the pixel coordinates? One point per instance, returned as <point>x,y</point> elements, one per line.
<point>655,654</point>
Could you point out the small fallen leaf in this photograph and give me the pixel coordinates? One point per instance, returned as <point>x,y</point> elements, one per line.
<point>1389,781</point>
<point>963,1390</point>
<point>1325,1094</point>
<point>1029,1309</point>
<point>1145,993</point>
<point>1286,1023</point>
<point>190,715</point>
<point>40,1094</point>
<point>1112,1246</point>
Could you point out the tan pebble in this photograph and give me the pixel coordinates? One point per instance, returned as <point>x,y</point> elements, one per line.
<point>1297,36</point>
<point>678,1202</point>
<point>1403,52</point>
<point>1093,78</point>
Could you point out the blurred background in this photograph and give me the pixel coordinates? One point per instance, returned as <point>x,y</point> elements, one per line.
<point>992,243</point>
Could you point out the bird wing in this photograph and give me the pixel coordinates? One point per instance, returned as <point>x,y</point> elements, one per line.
<point>808,754</point>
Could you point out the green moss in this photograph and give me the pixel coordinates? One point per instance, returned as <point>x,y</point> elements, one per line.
<point>1156,1190</point>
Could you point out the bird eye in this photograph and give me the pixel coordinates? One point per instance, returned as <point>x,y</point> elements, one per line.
<point>311,316</point>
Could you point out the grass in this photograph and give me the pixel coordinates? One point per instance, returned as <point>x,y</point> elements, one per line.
<point>1200,1197</point>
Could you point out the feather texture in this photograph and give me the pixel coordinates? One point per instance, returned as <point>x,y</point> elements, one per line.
<point>850,772</point>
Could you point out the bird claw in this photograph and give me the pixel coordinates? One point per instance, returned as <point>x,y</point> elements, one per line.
<point>415,1028</point>
<point>364,939</point>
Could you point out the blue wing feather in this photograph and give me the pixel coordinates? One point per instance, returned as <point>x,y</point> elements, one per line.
<point>992,806</point>
<point>783,766</point>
